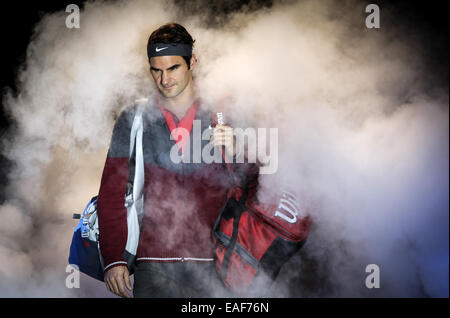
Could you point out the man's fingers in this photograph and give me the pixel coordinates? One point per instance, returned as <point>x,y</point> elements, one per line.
<point>113,285</point>
<point>117,286</point>
<point>222,142</point>
<point>127,281</point>
<point>108,287</point>
<point>223,130</point>
<point>222,138</point>
<point>121,286</point>
<point>223,133</point>
<point>117,281</point>
<point>109,284</point>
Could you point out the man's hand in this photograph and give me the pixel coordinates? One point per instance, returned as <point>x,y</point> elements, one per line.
<point>116,279</point>
<point>223,136</point>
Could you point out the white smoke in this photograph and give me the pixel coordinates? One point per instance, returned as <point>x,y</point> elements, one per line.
<point>360,139</point>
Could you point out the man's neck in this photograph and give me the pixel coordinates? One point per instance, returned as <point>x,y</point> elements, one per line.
<point>180,104</point>
<point>179,108</point>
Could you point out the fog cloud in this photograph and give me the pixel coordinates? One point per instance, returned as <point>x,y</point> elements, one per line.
<point>361,140</point>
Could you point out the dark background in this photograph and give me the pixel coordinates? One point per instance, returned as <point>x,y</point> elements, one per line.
<point>425,23</point>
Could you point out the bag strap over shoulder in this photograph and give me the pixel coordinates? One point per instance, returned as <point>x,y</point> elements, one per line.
<point>134,198</point>
<point>136,158</point>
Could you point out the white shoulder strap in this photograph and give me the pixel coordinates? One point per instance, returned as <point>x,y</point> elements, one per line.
<point>138,183</point>
<point>137,135</point>
<point>135,200</point>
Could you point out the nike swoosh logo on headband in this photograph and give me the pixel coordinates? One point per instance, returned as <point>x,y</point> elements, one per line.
<point>157,49</point>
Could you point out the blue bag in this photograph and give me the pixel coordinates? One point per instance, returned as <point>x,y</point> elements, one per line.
<point>85,247</point>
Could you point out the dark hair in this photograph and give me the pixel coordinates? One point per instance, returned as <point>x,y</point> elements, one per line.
<point>172,33</point>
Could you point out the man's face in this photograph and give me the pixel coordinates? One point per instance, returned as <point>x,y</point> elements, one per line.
<point>170,74</point>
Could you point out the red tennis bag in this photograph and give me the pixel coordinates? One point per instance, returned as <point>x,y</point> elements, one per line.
<point>254,239</point>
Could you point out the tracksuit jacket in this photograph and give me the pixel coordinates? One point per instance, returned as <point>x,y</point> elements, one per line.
<point>181,200</point>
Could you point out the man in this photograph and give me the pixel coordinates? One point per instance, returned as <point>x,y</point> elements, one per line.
<point>182,200</point>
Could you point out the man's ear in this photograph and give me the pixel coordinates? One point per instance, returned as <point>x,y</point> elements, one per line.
<point>193,62</point>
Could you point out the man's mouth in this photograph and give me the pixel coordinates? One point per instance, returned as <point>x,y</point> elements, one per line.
<point>168,86</point>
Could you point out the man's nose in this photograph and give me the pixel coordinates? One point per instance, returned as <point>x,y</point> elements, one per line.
<point>164,78</point>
